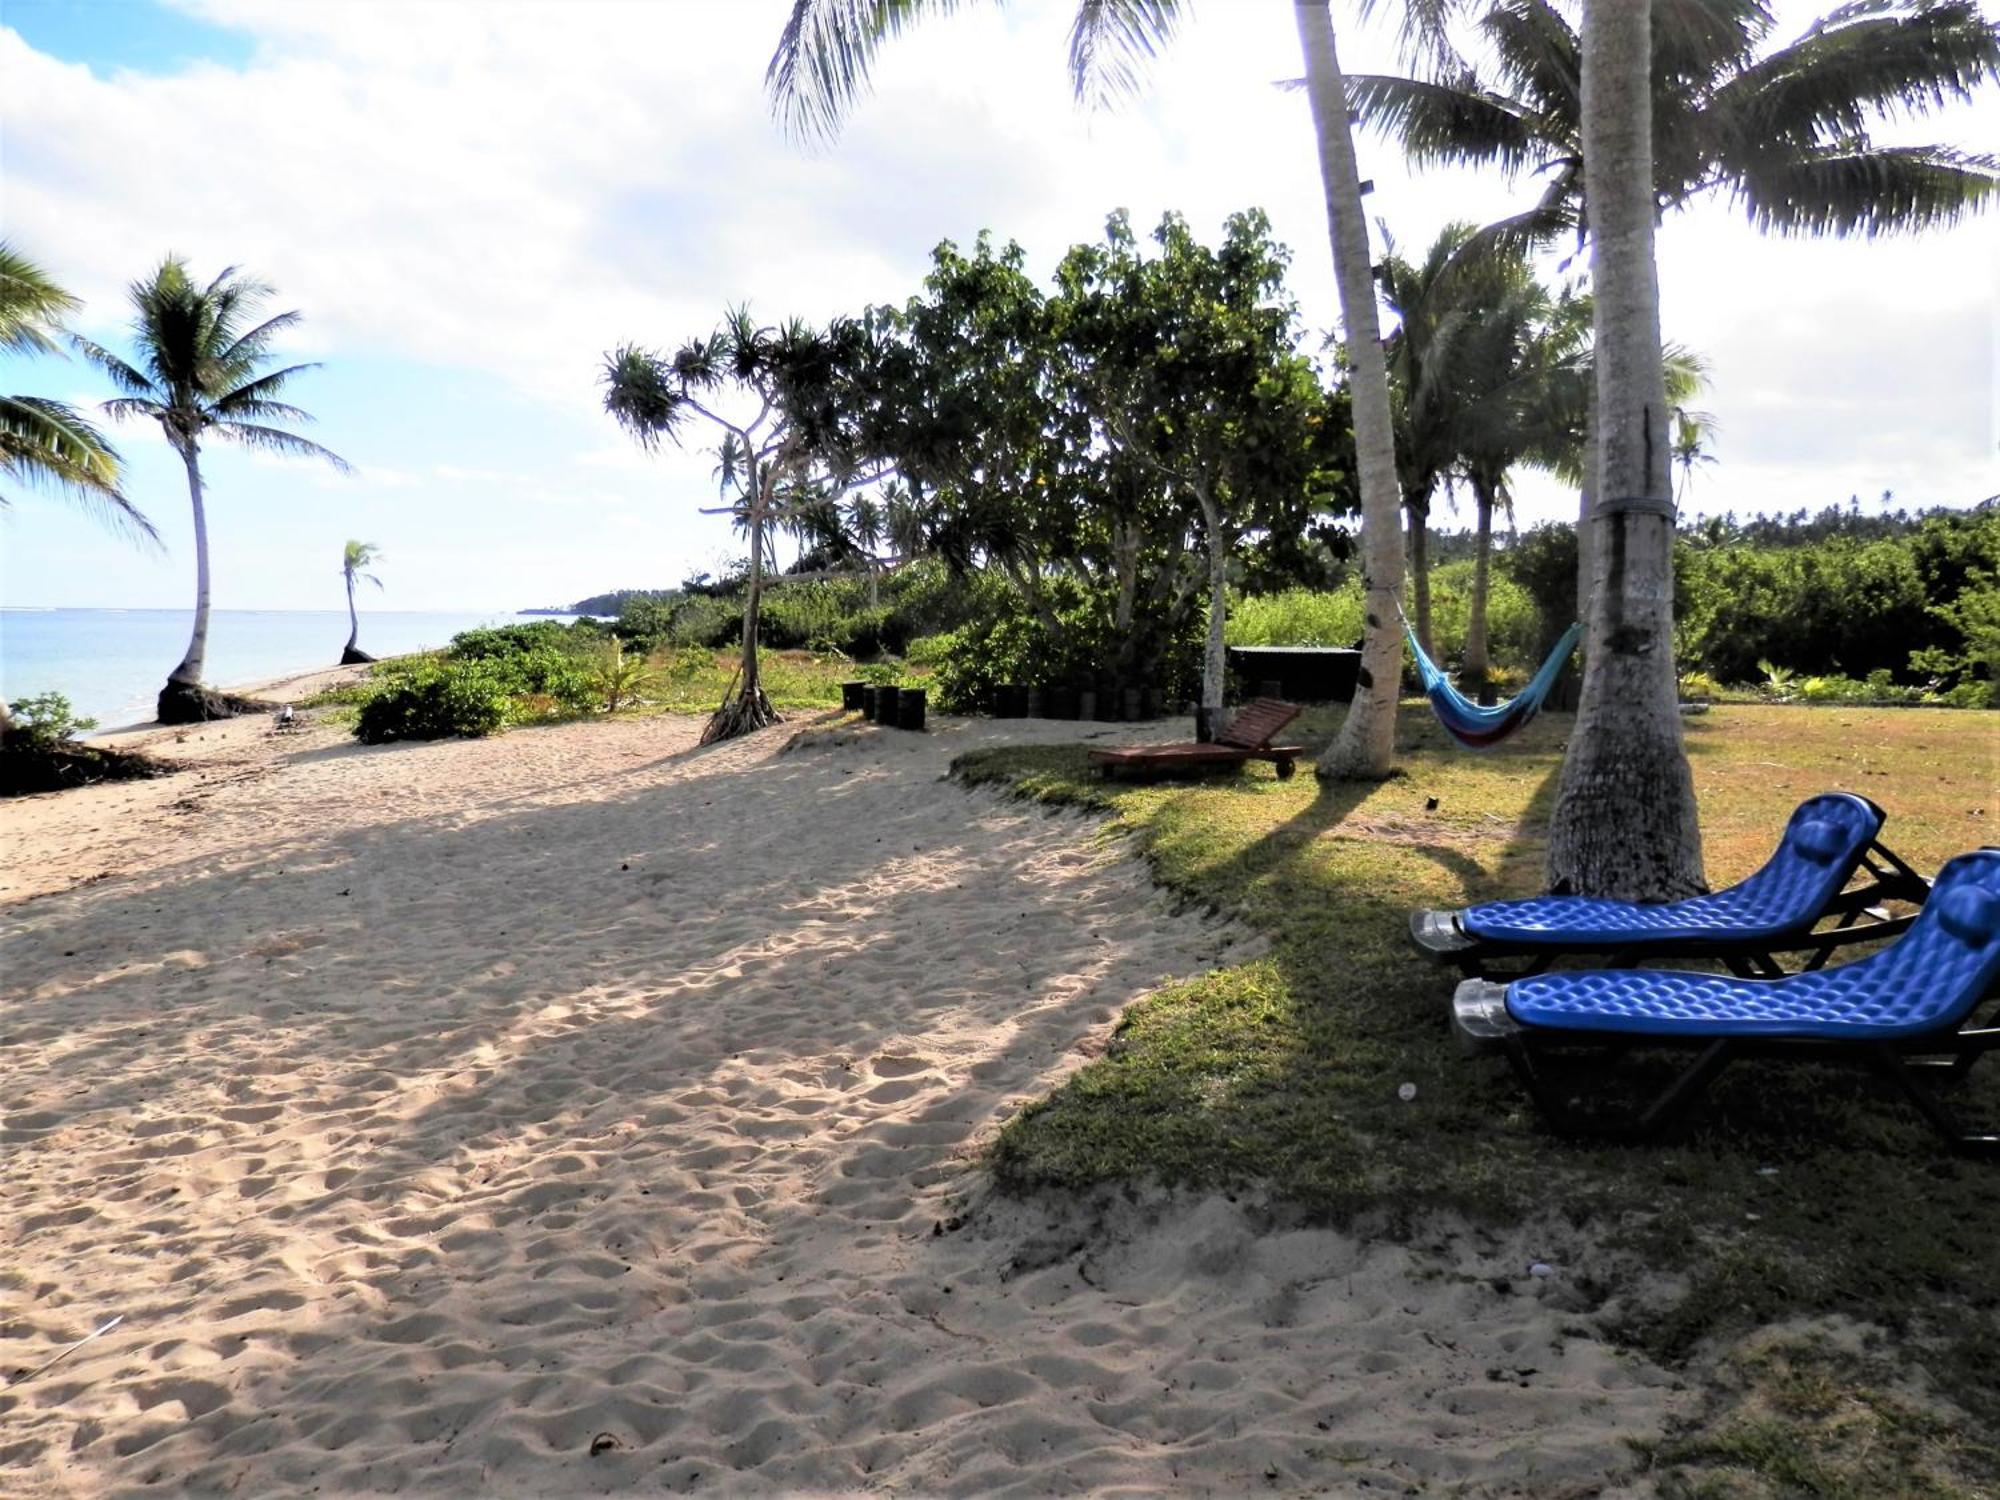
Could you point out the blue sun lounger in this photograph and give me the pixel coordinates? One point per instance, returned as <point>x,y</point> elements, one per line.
<point>1830,839</point>
<point>1905,1010</point>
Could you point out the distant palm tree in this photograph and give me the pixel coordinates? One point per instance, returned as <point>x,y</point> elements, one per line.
<point>355,559</point>
<point>201,369</point>
<point>1692,431</point>
<point>44,441</point>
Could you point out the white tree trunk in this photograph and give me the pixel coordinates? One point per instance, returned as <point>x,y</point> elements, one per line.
<point>1366,745</point>
<point>190,669</point>
<point>1214,659</point>
<point>1420,575</point>
<point>1624,823</point>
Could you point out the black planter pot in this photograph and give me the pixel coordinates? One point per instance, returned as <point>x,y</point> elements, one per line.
<point>1151,699</point>
<point>1013,701</point>
<point>1036,704</point>
<point>850,695</point>
<point>1108,703</point>
<point>910,709</point>
<point>1133,702</point>
<point>1062,703</point>
<point>885,706</point>
<point>867,705</point>
<point>1086,703</point>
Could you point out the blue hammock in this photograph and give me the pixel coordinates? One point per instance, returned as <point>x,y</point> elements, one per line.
<point>1477,726</point>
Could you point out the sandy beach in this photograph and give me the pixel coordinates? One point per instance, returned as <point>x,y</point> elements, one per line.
<point>580,1111</point>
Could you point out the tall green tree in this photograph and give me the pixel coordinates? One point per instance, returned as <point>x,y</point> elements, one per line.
<point>201,369</point>
<point>795,455</point>
<point>821,66</point>
<point>1188,361</point>
<point>46,443</point>
<point>356,558</point>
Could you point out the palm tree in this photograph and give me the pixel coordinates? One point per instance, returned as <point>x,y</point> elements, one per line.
<point>822,65</point>
<point>355,559</point>
<point>1624,823</point>
<point>202,356</point>
<point>44,442</point>
<point>1692,431</point>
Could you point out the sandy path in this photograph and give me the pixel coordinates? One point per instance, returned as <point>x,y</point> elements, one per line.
<point>578,1112</point>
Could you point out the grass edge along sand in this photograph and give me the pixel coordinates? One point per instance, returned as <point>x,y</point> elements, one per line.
<point>1798,1192</point>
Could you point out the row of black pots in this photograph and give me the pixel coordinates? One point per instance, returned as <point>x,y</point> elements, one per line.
<point>892,708</point>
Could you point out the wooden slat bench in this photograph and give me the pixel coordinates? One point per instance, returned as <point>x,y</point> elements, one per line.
<point>1247,737</point>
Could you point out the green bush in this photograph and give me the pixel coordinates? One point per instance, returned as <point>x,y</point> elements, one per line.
<point>1298,617</point>
<point>46,720</point>
<point>927,650</point>
<point>434,699</point>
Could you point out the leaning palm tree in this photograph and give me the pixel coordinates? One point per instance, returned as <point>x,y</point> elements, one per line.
<point>44,442</point>
<point>355,560</point>
<point>201,370</point>
<point>822,65</point>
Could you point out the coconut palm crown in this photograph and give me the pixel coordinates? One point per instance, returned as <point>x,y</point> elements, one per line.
<point>46,443</point>
<point>1783,132</point>
<point>202,369</point>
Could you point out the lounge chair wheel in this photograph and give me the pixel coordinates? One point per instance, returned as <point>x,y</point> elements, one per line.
<point>1287,769</point>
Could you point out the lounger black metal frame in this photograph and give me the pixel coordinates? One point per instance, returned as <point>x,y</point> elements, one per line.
<point>1484,1024</point>
<point>1858,914</point>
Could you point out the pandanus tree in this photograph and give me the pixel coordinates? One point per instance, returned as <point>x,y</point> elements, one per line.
<point>201,369</point>
<point>796,453</point>
<point>821,66</point>
<point>46,444</point>
<point>355,560</point>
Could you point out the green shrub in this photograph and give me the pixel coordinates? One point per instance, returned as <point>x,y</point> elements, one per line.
<point>46,720</point>
<point>1298,617</point>
<point>926,650</point>
<point>434,699</point>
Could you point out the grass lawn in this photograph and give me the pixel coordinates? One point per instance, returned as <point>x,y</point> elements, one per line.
<point>1798,1191</point>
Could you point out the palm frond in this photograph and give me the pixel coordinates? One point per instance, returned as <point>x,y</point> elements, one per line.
<point>1863,190</point>
<point>122,375</point>
<point>32,306</point>
<point>641,395</point>
<point>1883,59</point>
<point>251,344</point>
<point>259,389</point>
<point>1113,42</point>
<point>277,440</point>
<point>1446,123</point>
<point>1539,57</point>
<point>826,53</point>
<point>47,443</point>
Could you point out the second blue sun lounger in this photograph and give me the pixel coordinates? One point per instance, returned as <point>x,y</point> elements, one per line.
<point>1830,839</point>
<point>1907,1009</point>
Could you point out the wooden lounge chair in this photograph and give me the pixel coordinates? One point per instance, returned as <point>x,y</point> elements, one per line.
<point>1812,877</point>
<point>1248,737</point>
<point>1907,1010</point>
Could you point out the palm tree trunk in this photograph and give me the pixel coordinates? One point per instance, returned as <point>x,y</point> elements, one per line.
<point>1475,665</point>
<point>1420,572</point>
<point>353,619</point>
<point>1366,744</point>
<point>1624,823</point>
<point>188,673</point>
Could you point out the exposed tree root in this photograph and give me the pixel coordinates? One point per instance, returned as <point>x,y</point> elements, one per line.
<point>26,768</point>
<point>354,656</point>
<point>741,713</point>
<point>191,703</point>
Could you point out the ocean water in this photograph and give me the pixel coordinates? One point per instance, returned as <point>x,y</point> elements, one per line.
<point>110,663</point>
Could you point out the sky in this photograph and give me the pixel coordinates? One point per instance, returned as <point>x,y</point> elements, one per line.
<point>472,200</point>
